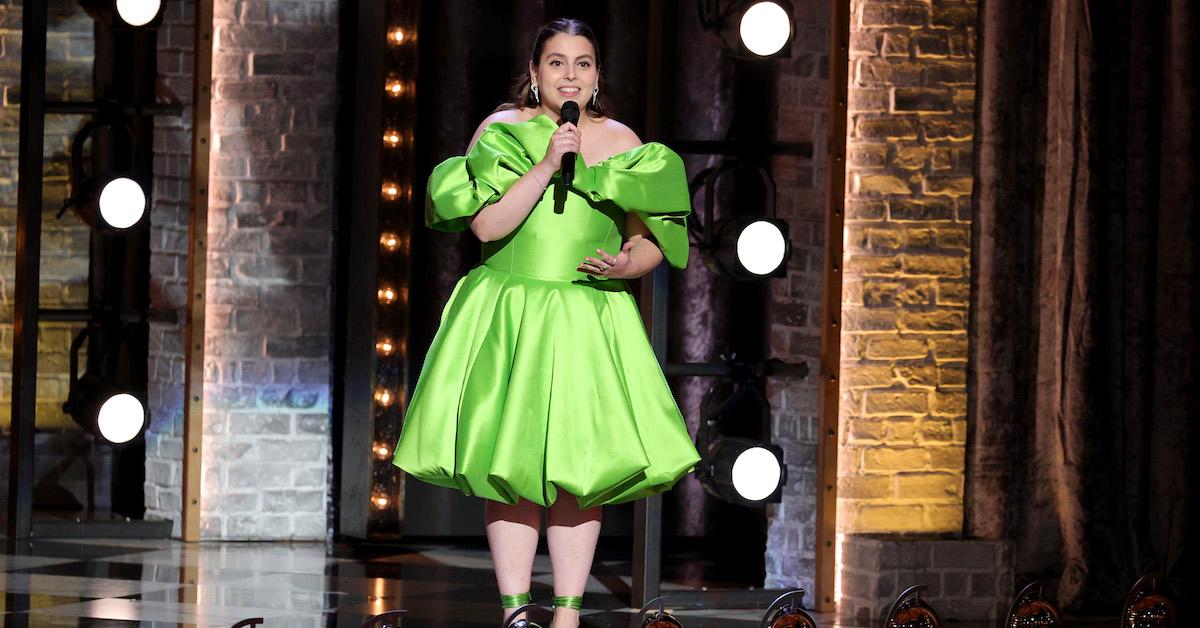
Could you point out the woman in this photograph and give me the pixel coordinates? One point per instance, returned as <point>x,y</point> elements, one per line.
<point>540,387</point>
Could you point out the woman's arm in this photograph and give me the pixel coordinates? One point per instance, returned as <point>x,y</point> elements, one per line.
<point>499,219</point>
<point>644,255</point>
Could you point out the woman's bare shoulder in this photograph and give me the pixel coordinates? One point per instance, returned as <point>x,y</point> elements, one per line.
<point>620,136</point>
<point>504,115</point>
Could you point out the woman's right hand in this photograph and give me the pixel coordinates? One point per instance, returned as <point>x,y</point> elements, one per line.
<point>566,139</point>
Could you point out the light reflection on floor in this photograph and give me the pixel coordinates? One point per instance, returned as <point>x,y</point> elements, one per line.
<point>171,583</point>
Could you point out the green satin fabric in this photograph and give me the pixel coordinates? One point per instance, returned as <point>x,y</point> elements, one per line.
<point>541,378</point>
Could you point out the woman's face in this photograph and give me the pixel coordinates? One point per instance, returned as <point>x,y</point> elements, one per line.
<point>567,71</point>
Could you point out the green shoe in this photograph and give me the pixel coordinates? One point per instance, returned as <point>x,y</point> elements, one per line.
<point>521,603</point>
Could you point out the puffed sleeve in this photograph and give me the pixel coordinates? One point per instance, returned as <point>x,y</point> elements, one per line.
<point>650,181</point>
<point>461,186</point>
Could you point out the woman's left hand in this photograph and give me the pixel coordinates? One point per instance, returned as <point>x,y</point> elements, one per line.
<point>608,266</point>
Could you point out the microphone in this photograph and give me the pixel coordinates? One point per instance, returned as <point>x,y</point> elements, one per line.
<point>570,113</point>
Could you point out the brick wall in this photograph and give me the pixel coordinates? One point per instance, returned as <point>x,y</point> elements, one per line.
<point>69,55</point>
<point>267,432</point>
<point>169,268</point>
<point>964,579</point>
<point>907,242</point>
<point>796,301</point>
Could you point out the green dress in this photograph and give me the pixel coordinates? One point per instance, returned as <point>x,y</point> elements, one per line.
<point>541,377</point>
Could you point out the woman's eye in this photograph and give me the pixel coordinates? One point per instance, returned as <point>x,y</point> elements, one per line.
<point>585,64</point>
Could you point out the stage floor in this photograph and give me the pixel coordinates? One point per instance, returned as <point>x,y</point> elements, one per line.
<point>169,583</point>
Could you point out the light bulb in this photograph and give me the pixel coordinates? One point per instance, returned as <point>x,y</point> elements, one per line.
<point>138,12</point>
<point>122,203</point>
<point>756,473</point>
<point>389,241</point>
<point>761,247</point>
<point>121,418</point>
<point>765,28</point>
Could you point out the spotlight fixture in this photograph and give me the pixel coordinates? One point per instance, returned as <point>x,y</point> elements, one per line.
<point>396,36</point>
<point>113,201</point>
<point>384,397</point>
<point>658,617</point>
<point>742,247</point>
<point>391,138</point>
<point>125,13</point>
<point>910,611</point>
<point>737,469</point>
<point>387,295</point>
<point>1032,609</point>
<point>787,611</point>
<point>115,413</point>
<point>1149,604</point>
<point>394,87</point>
<point>750,29</point>
<point>385,346</point>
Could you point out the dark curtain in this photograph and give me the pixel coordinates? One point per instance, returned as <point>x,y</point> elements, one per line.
<point>1083,333</point>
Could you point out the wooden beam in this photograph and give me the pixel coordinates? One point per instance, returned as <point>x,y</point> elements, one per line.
<point>193,386</point>
<point>831,309</point>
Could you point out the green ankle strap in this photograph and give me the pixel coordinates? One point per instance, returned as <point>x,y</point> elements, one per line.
<point>514,601</point>
<point>567,601</point>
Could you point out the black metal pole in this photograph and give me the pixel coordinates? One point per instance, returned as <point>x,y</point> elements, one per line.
<point>28,271</point>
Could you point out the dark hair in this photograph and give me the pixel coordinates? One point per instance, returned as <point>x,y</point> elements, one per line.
<point>520,96</point>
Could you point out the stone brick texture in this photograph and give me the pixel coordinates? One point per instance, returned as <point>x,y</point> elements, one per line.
<point>803,115</point>
<point>64,268</point>
<point>907,249</point>
<point>267,451</point>
<point>169,218</point>
<point>965,580</point>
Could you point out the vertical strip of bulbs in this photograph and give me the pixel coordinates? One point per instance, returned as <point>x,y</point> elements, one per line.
<point>395,225</point>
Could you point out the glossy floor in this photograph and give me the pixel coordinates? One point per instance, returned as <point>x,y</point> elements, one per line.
<point>170,583</point>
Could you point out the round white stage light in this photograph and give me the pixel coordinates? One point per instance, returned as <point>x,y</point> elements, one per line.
<point>761,247</point>
<point>765,28</point>
<point>121,418</point>
<point>756,474</point>
<point>138,12</point>
<point>122,203</point>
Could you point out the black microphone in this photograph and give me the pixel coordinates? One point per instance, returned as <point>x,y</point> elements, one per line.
<point>570,113</point>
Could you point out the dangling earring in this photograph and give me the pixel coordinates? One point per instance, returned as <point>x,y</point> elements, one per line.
<point>535,94</point>
<point>595,92</point>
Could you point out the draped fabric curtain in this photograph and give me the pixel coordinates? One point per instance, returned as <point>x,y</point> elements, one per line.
<point>1083,404</point>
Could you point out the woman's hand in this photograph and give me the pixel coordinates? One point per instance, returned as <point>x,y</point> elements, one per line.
<point>608,266</point>
<point>566,139</point>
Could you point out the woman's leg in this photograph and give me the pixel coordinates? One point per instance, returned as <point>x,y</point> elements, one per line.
<point>571,534</point>
<point>512,533</point>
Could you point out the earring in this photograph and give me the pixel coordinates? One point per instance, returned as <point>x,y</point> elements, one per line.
<point>595,92</point>
<point>535,94</point>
